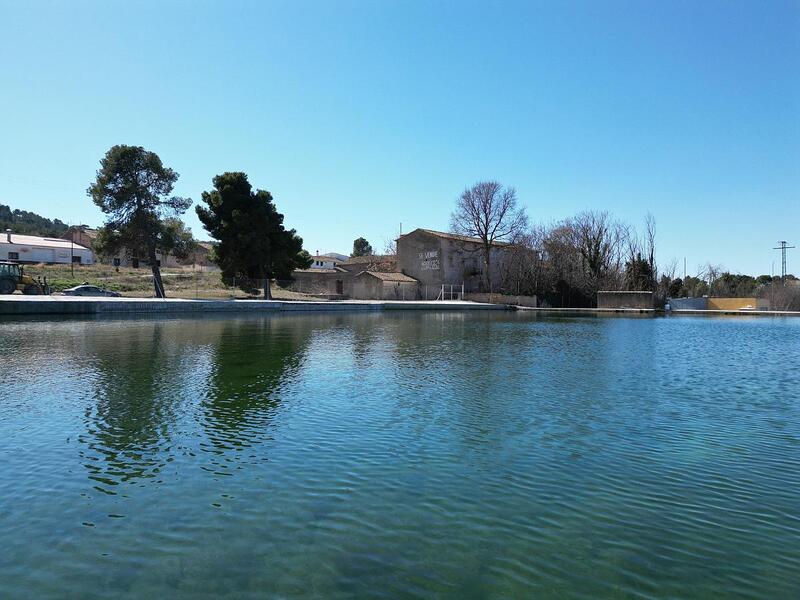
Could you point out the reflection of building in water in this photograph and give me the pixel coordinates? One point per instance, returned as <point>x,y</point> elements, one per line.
<point>425,261</point>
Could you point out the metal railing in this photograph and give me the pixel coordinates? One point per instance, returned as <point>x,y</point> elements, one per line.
<point>450,291</point>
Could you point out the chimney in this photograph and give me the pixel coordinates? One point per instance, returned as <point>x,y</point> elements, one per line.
<point>8,235</point>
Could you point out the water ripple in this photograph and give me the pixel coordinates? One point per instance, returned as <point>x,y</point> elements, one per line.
<point>409,455</point>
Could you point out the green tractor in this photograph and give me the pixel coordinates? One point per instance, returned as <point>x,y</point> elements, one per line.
<point>13,278</point>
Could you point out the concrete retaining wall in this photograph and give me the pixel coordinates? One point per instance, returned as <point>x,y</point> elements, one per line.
<point>527,301</point>
<point>688,303</point>
<point>639,300</point>
<point>50,305</point>
<point>715,303</point>
<point>738,303</point>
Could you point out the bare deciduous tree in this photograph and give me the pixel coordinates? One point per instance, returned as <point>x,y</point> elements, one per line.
<point>599,240</point>
<point>650,244</point>
<point>710,273</point>
<point>783,297</point>
<point>667,282</point>
<point>390,246</point>
<point>640,256</point>
<point>566,263</point>
<point>488,211</point>
<point>524,263</point>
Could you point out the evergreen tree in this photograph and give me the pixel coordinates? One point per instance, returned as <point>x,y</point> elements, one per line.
<point>361,247</point>
<point>254,246</point>
<point>133,189</point>
<point>639,274</point>
<point>28,223</point>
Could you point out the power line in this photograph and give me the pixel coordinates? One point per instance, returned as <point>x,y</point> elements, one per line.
<point>783,248</point>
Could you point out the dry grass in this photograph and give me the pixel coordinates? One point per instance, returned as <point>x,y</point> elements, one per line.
<point>181,282</point>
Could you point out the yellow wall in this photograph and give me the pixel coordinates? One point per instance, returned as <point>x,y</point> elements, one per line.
<point>734,303</point>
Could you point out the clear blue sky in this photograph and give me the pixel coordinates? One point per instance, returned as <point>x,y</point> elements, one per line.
<point>360,115</point>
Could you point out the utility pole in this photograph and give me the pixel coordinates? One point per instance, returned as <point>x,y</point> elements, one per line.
<point>772,288</point>
<point>72,253</point>
<point>783,248</point>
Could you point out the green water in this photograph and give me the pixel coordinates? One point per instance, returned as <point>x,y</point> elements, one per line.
<point>400,456</point>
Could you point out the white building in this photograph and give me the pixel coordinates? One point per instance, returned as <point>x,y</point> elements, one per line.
<point>326,261</point>
<point>34,249</point>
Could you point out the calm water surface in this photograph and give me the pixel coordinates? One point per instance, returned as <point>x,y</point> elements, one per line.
<point>400,456</point>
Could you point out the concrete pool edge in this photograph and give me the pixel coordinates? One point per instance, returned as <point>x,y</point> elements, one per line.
<point>659,311</point>
<point>63,305</point>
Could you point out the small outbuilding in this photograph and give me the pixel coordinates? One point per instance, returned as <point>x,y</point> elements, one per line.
<point>375,285</point>
<point>319,282</point>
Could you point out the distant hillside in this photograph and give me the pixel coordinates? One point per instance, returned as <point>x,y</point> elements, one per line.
<point>24,222</point>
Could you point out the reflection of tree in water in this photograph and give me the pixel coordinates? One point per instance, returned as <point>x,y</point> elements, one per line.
<point>147,375</point>
<point>252,362</point>
<point>127,427</point>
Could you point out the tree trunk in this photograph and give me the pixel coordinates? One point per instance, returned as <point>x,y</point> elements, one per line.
<point>267,293</point>
<point>157,283</point>
<point>486,257</point>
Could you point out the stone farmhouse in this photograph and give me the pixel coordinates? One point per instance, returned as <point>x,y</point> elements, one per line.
<point>426,260</point>
<point>435,258</point>
<point>85,236</point>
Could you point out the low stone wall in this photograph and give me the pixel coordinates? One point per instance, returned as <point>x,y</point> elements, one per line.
<point>527,301</point>
<point>317,281</point>
<point>637,300</point>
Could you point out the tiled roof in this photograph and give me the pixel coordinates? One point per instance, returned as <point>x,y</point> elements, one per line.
<point>370,258</point>
<point>454,236</point>
<point>90,232</point>
<point>397,277</point>
<point>41,242</point>
<point>326,258</point>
